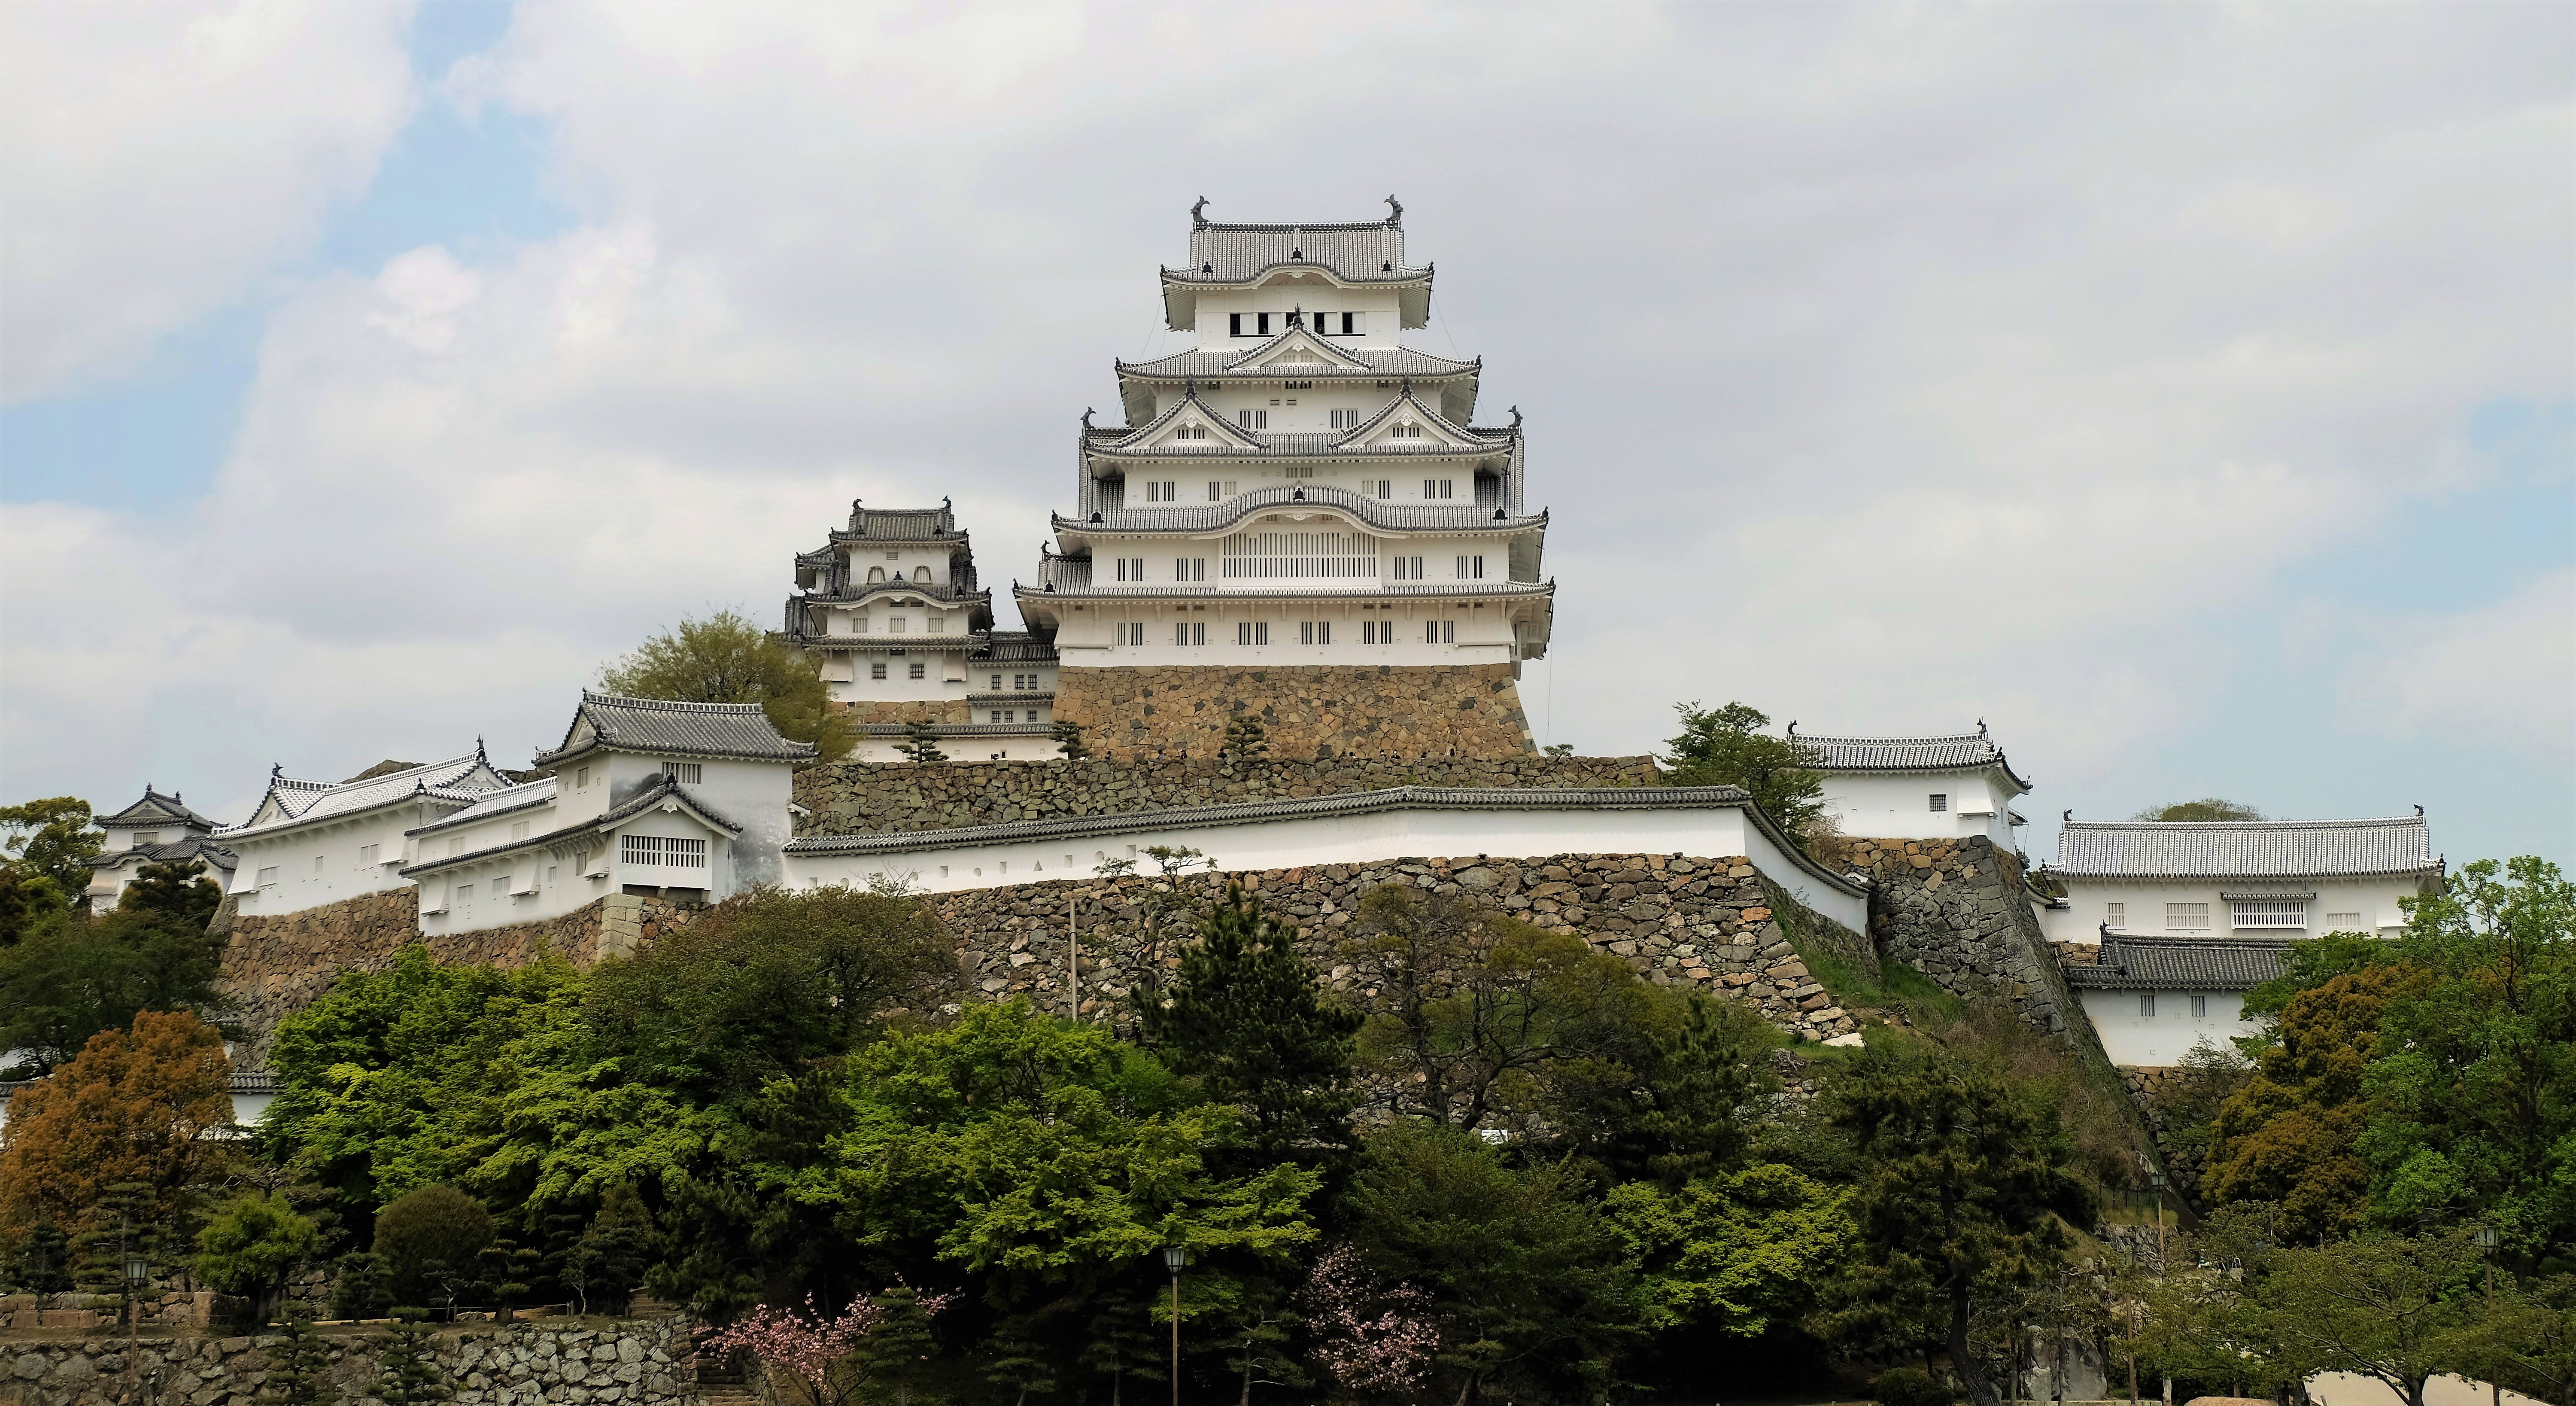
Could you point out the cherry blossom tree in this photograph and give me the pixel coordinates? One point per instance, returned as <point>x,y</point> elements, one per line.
<point>1370,1337</point>
<point>814,1354</point>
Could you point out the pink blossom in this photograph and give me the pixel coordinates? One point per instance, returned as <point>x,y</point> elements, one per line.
<point>806,1348</point>
<point>1370,1337</point>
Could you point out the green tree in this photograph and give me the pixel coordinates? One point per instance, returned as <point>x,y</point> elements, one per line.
<point>1684,1100</point>
<point>299,1364</point>
<point>1737,1252</point>
<point>607,1265</point>
<point>2289,1135</point>
<point>920,744</point>
<point>407,1367</point>
<point>1532,1277</point>
<point>505,1273</point>
<point>898,1348</point>
<point>430,1236</point>
<point>252,1245</point>
<point>363,1288</point>
<point>52,840</point>
<point>1964,1189</point>
<point>1484,1020</point>
<point>1247,1019</point>
<point>1068,738</point>
<point>1727,747</point>
<point>725,658</point>
<point>2207,808</point>
<point>41,1263</point>
<point>2398,1310</point>
<point>67,981</point>
<point>2472,1080</point>
<point>1245,737</point>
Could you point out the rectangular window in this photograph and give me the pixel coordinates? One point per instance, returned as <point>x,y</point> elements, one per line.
<point>939,624</point>
<point>367,854</point>
<point>501,886</point>
<point>640,849</point>
<point>690,772</point>
<point>1130,633</point>
<point>1439,632</point>
<point>2146,1003</point>
<point>518,829</point>
<point>997,682</point>
<point>894,624</point>
<point>550,876</point>
<point>2187,915</point>
<point>1253,419</point>
<point>1164,492</point>
<point>1940,801</point>
<point>464,894</point>
<point>1189,568</point>
<point>1408,568</point>
<point>1252,632</point>
<point>688,854</point>
<point>2200,1008</point>
<point>995,715</point>
<point>858,624</point>
<point>876,669</point>
<point>914,671</point>
<point>1314,632</point>
<point>1213,493</point>
<point>581,775</point>
<point>2344,922</point>
<point>1131,568</point>
<point>317,864</point>
<point>1471,568</point>
<point>2271,912</point>
<point>2116,914</point>
<point>1346,419</point>
<point>1234,324</point>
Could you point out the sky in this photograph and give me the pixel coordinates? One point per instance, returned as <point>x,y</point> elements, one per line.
<point>2187,392</point>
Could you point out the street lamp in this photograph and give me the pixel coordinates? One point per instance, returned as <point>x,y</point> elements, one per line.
<point>1176,1258</point>
<point>137,1270</point>
<point>2487,1238</point>
<point>2157,1180</point>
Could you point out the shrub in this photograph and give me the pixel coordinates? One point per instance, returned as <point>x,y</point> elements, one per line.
<point>1910,1386</point>
<point>428,1236</point>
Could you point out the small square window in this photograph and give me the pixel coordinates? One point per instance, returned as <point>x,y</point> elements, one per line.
<point>915,671</point>
<point>877,669</point>
<point>1940,801</point>
<point>2146,1003</point>
<point>2200,1008</point>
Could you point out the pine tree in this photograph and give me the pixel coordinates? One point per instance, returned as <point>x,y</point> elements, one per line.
<point>42,1264</point>
<point>508,1269</point>
<point>1248,1019</point>
<point>1069,737</point>
<point>898,1347</point>
<point>411,1374</point>
<point>607,1264</point>
<point>1017,1362</point>
<point>299,1364</point>
<point>1245,737</point>
<point>919,745</point>
<point>364,1287</point>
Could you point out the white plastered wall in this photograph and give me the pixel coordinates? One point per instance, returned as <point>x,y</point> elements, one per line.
<point>2142,910</point>
<point>1898,805</point>
<point>322,861</point>
<point>2160,1040</point>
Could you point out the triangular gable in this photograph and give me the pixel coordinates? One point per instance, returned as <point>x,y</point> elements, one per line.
<point>1189,412</point>
<point>1297,346</point>
<point>1406,412</point>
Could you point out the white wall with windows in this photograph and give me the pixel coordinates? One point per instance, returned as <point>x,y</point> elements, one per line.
<point>2220,908</point>
<point>911,673</point>
<point>1923,805</point>
<point>2155,1029</point>
<point>1233,319</point>
<point>1235,630</point>
<point>296,867</point>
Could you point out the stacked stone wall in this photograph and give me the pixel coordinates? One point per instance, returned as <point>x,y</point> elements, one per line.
<point>918,710</point>
<point>1305,710</point>
<point>2186,1159</point>
<point>1956,911</point>
<point>630,1363</point>
<point>272,966</point>
<point>1714,925</point>
<point>849,798</point>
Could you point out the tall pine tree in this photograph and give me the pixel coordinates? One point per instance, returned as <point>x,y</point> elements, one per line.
<point>1248,1020</point>
<point>299,1364</point>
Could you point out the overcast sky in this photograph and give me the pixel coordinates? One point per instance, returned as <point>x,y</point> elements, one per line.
<point>2189,392</point>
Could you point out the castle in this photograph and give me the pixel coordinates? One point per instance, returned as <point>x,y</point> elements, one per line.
<point>1300,522</point>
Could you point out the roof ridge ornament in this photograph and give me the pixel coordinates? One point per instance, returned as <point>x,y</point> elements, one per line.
<point>1198,219</point>
<point>1516,419</point>
<point>1395,213</point>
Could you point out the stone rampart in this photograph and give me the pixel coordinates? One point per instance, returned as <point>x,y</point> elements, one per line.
<point>629,1363</point>
<point>272,966</point>
<point>850,798</point>
<point>1708,924</point>
<point>1956,911</point>
<point>1305,710</point>
<point>922,710</point>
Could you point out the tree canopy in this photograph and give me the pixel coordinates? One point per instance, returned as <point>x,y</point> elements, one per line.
<point>1727,747</point>
<point>725,658</point>
<point>2206,808</point>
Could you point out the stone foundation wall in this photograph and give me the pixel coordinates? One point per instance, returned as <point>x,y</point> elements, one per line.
<point>272,966</point>
<point>919,710</point>
<point>850,798</point>
<point>1307,710</point>
<point>2186,1159</point>
<point>1955,911</point>
<point>1710,924</point>
<point>635,1363</point>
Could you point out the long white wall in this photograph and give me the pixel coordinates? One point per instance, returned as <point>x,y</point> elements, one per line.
<point>2139,906</point>
<point>1472,632</point>
<point>1898,805</point>
<point>307,865</point>
<point>1713,832</point>
<point>2131,1035</point>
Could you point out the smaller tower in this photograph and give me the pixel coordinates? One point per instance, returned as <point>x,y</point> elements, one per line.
<point>892,605</point>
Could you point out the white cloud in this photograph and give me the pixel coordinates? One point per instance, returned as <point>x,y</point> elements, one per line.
<point>2506,671</point>
<point>1886,368</point>
<point>160,158</point>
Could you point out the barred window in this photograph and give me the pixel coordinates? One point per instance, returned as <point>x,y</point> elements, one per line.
<point>2187,915</point>
<point>2200,1007</point>
<point>1439,632</point>
<point>1252,632</point>
<point>640,849</point>
<point>1186,633</point>
<point>2344,922</point>
<point>690,772</point>
<point>2146,1003</point>
<point>2116,914</point>
<point>1278,556</point>
<point>877,669</point>
<point>916,671</point>
<point>1189,568</point>
<point>687,854</point>
<point>2271,912</point>
<point>1940,800</point>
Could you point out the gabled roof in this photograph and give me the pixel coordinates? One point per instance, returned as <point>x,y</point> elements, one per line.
<point>1376,513</point>
<point>1449,440</point>
<point>153,809</point>
<point>1230,255</point>
<point>190,847</point>
<point>665,789</point>
<point>2180,964</point>
<point>2245,849</point>
<point>1228,435</point>
<point>525,796</point>
<point>1956,751</point>
<point>290,802</point>
<point>867,524</point>
<point>1248,363</point>
<point>666,727</point>
<point>1011,647</point>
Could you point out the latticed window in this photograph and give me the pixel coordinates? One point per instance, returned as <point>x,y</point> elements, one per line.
<point>660,850</point>
<point>1300,556</point>
<point>2343,922</point>
<point>2187,915</point>
<point>2271,912</point>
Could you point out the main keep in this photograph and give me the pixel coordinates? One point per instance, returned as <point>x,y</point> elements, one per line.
<point>1300,520</point>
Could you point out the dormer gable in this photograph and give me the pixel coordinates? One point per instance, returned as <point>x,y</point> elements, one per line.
<point>1405,422</point>
<point>1191,423</point>
<point>1294,351</point>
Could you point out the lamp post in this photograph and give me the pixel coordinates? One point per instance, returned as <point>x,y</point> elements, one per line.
<point>2157,1181</point>
<point>137,1270</point>
<point>1176,1258</point>
<point>2487,1239</point>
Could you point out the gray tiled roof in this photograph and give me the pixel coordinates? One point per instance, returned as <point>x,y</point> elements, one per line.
<point>1943,752</point>
<point>900,525</point>
<point>1071,576</point>
<point>1202,364</point>
<point>153,809</point>
<point>643,800</point>
<point>945,592</point>
<point>961,729</point>
<point>2220,849</point>
<point>191,847</point>
<point>457,779</point>
<point>1357,253</point>
<point>526,796</point>
<point>1473,441</point>
<point>664,727</point>
<point>1346,804</point>
<point>1012,647</point>
<point>1378,513</point>
<point>2180,964</point>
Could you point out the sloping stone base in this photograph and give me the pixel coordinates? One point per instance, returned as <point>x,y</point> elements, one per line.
<point>920,710</point>
<point>1307,710</point>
